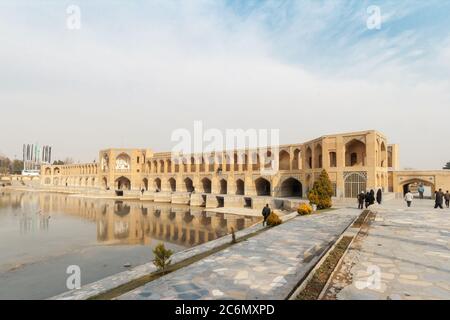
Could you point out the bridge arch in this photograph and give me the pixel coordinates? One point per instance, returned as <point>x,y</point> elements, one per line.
<point>308,158</point>
<point>223,186</point>
<point>145,184</point>
<point>189,185</point>
<point>173,184</point>
<point>240,187</point>
<point>318,157</point>
<point>206,185</point>
<point>355,153</point>
<point>290,187</point>
<point>262,187</point>
<point>123,183</point>
<point>157,184</point>
<point>284,160</point>
<point>105,182</point>
<point>413,183</point>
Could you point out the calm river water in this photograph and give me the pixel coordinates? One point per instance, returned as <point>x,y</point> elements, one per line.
<point>41,234</point>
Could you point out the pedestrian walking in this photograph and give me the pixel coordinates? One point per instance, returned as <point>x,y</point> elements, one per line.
<point>361,198</point>
<point>439,199</point>
<point>379,196</point>
<point>367,199</point>
<point>265,213</point>
<point>372,197</point>
<point>447,199</point>
<point>421,190</point>
<point>409,198</point>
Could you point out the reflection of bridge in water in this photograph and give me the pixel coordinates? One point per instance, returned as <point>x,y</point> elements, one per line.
<point>26,207</point>
<point>128,222</point>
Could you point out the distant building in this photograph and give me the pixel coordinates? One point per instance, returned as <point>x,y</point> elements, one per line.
<point>34,156</point>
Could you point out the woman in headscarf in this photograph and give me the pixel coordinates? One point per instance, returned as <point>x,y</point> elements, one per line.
<point>372,197</point>
<point>367,199</point>
<point>379,196</point>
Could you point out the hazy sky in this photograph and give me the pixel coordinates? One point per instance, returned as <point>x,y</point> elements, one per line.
<point>138,70</point>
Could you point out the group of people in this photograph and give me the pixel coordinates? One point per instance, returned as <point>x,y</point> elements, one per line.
<point>369,198</point>
<point>439,198</point>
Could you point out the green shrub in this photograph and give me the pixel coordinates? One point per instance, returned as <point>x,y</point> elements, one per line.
<point>273,219</point>
<point>322,191</point>
<point>304,209</point>
<point>162,257</point>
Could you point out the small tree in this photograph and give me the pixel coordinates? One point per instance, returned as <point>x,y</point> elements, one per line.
<point>447,166</point>
<point>162,257</point>
<point>322,191</point>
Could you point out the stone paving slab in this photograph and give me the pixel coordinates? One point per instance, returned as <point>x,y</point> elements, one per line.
<point>405,255</point>
<point>267,266</point>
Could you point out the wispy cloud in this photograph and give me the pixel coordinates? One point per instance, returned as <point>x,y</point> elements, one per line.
<point>137,70</point>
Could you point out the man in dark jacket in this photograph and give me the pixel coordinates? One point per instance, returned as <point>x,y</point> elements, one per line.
<point>361,198</point>
<point>439,199</point>
<point>266,212</point>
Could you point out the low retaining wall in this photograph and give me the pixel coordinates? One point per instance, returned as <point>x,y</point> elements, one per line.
<point>181,198</point>
<point>164,197</point>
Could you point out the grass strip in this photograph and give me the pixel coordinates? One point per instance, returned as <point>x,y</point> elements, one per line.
<point>323,273</point>
<point>362,217</point>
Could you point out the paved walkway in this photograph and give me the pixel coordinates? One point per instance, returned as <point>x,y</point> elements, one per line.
<point>406,255</point>
<point>267,266</point>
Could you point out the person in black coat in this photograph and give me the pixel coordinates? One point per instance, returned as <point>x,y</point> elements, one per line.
<point>372,197</point>
<point>367,199</point>
<point>379,196</point>
<point>361,198</point>
<point>439,199</point>
<point>266,212</point>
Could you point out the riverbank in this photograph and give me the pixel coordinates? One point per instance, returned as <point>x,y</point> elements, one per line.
<point>41,234</point>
